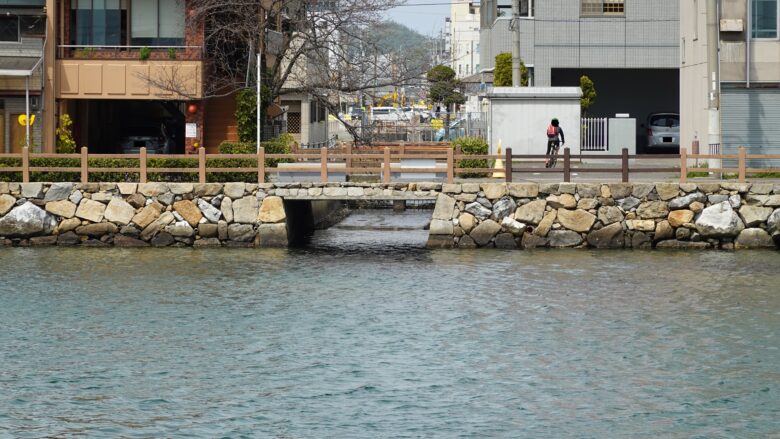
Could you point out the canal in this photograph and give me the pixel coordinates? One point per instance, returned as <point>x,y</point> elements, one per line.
<point>366,334</point>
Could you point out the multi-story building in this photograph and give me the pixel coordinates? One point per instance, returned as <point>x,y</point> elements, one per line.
<point>130,70</point>
<point>125,71</point>
<point>464,38</point>
<point>24,94</point>
<point>629,48</point>
<point>749,67</point>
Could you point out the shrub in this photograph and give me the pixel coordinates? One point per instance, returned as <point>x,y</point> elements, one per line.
<point>144,53</point>
<point>171,53</point>
<point>502,74</point>
<point>694,174</point>
<point>472,146</point>
<point>65,142</point>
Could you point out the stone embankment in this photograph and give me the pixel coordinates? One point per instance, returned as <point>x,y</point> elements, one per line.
<point>662,215</point>
<point>140,215</point>
<point>468,215</point>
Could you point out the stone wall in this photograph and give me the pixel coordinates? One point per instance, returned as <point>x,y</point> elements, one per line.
<point>467,215</point>
<point>139,215</point>
<point>178,214</point>
<point>663,215</point>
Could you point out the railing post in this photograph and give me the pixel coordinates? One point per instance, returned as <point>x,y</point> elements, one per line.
<point>566,165</point>
<point>348,161</point>
<point>324,165</point>
<point>142,164</point>
<point>742,157</point>
<point>450,166</point>
<point>624,165</point>
<point>201,165</point>
<point>508,165</point>
<point>386,170</point>
<point>683,165</point>
<point>25,164</point>
<point>260,165</point>
<point>84,164</point>
<point>402,149</point>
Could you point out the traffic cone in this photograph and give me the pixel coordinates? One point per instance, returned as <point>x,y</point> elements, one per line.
<point>499,165</point>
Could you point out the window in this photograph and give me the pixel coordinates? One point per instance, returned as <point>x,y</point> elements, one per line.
<point>764,18</point>
<point>157,23</point>
<point>603,7</point>
<point>97,22</point>
<point>527,8</point>
<point>9,29</point>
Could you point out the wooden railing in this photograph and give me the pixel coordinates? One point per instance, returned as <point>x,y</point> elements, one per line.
<point>741,158</point>
<point>323,161</point>
<point>382,162</point>
<point>565,167</point>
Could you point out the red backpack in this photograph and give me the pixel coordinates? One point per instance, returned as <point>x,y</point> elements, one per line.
<point>552,131</point>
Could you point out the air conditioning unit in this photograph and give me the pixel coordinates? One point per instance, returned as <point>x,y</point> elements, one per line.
<point>35,103</point>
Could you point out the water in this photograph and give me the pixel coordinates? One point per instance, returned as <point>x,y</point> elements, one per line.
<point>347,340</point>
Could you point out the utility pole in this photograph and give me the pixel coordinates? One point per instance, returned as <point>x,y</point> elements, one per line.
<point>713,75</point>
<point>516,43</point>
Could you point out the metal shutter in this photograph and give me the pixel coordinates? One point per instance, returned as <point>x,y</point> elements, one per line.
<point>750,118</point>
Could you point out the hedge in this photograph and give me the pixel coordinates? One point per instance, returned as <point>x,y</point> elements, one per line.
<point>472,146</point>
<point>281,145</point>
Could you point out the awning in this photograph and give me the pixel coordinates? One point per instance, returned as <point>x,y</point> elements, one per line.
<point>19,65</point>
<point>274,110</point>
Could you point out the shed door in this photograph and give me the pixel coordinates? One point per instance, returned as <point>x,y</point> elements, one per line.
<point>750,118</point>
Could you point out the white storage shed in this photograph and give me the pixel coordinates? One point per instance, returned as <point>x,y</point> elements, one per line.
<point>519,117</point>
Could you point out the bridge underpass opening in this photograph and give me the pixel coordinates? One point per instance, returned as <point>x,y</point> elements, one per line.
<point>350,224</point>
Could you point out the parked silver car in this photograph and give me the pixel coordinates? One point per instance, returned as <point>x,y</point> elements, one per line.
<point>663,130</point>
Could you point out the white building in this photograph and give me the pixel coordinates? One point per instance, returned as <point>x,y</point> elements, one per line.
<point>464,37</point>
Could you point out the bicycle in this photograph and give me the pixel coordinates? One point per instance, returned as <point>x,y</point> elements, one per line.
<point>552,158</point>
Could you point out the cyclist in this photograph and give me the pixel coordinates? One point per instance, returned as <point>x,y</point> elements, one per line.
<point>554,141</point>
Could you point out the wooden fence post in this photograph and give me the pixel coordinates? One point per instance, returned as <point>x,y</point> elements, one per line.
<point>142,164</point>
<point>84,164</point>
<point>450,166</point>
<point>742,157</point>
<point>201,165</point>
<point>261,165</point>
<point>566,165</point>
<point>25,164</point>
<point>683,165</point>
<point>624,165</point>
<point>402,149</point>
<point>508,165</point>
<point>324,165</point>
<point>386,170</point>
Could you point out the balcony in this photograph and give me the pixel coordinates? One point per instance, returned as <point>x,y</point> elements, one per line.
<point>130,72</point>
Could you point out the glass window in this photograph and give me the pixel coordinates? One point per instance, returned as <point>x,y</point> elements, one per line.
<point>32,25</point>
<point>526,8</point>
<point>96,22</point>
<point>764,18</point>
<point>9,29</point>
<point>157,22</point>
<point>603,7</point>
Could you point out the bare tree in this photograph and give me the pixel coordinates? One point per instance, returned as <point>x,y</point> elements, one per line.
<point>321,48</point>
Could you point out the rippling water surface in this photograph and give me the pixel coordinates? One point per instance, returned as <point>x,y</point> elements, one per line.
<point>353,340</point>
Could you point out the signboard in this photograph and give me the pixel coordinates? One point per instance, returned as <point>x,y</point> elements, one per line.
<point>274,42</point>
<point>191,130</point>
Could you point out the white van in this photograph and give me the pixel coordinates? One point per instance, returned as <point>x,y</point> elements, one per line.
<point>386,114</point>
